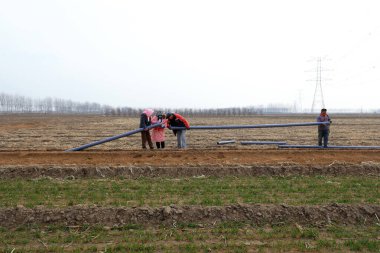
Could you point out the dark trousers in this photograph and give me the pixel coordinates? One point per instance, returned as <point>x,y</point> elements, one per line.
<point>160,144</point>
<point>323,134</point>
<point>145,137</point>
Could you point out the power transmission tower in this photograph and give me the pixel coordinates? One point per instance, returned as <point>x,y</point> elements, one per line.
<point>318,99</point>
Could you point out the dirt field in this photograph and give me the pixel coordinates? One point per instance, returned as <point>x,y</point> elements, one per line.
<point>57,133</point>
<point>189,163</point>
<point>31,148</point>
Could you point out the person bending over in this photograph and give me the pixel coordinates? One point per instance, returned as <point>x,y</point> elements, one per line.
<point>176,120</point>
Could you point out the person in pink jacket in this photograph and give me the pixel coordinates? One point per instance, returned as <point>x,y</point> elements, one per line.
<point>158,133</point>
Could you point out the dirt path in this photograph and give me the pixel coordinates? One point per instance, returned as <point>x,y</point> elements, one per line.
<point>189,163</point>
<point>190,157</point>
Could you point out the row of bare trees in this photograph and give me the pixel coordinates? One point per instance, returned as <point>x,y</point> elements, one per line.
<point>22,104</point>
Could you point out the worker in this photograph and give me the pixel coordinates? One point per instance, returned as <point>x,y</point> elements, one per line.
<point>323,129</point>
<point>176,120</point>
<point>145,120</point>
<point>158,133</point>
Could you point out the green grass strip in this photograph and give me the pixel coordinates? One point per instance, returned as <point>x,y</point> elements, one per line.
<point>303,190</point>
<point>222,237</point>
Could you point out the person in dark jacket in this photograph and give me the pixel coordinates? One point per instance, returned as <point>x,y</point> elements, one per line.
<point>176,120</point>
<point>323,130</point>
<point>145,120</point>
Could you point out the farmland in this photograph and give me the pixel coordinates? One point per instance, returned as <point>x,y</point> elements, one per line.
<point>116,197</point>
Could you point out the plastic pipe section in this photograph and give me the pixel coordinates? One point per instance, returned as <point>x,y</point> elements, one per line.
<point>226,142</point>
<point>113,138</point>
<point>329,147</point>
<point>262,143</point>
<point>252,126</point>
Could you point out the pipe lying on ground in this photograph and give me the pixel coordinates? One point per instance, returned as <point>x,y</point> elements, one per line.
<point>196,127</point>
<point>225,142</point>
<point>329,147</point>
<point>263,143</point>
<point>113,138</point>
<point>251,126</point>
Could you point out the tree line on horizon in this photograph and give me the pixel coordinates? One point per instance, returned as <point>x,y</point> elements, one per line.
<point>21,104</point>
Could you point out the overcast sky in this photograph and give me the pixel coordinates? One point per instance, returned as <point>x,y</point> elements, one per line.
<point>192,53</point>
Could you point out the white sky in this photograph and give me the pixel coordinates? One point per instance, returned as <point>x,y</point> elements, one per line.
<point>191,53</point>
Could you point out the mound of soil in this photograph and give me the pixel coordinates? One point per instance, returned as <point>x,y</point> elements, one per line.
<point>187,163</point>
<point>171,215</point>
<point>133,172</point>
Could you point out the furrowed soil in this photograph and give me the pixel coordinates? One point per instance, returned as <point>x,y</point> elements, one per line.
<point>255,214</point>
<point>32,147</point>
<point>135,164</point>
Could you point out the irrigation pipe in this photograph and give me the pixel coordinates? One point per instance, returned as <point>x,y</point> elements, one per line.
<point>251,126</point>
<point>226,142</point>
<point>195,127</point>
<point>113,138</point>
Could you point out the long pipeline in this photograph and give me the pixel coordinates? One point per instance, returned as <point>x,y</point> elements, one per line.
<point>113,138</point>
<point>197,128</point>
<point>252,126</point>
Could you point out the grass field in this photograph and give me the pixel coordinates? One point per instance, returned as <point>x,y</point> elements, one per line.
<point>155,192</point>
<point>190,237</point>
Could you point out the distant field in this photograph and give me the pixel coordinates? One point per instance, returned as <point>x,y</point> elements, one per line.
<point>63,132</point>
<point>118,198</point>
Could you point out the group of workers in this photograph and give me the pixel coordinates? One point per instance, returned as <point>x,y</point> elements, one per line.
<point>168,120</point>
<point>171,119</point>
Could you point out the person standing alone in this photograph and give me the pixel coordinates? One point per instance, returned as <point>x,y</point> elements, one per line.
<point>145,120</point>
<point>176,120</point>
<point>323,129</point>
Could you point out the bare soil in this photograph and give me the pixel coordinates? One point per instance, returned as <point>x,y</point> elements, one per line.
<point>191,156</point>
<point>188,163</point>
<point>170,215</point>
<point>133,172</point>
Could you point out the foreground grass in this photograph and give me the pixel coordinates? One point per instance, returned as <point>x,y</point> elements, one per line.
<point>191,191</point>
<point>225,237</point>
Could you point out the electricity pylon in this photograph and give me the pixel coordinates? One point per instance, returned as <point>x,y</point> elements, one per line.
<point>318,100</point>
